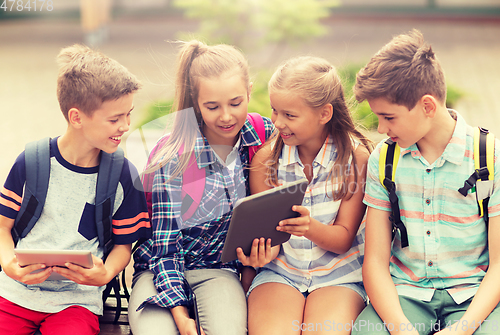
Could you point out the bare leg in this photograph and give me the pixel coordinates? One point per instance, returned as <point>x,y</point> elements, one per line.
<point>332,309</point>
<point>275,309</point>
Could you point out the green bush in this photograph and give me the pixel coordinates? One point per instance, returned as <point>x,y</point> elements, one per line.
<point>361,112</point>
<point>259,99</point>
<point>154,111</point>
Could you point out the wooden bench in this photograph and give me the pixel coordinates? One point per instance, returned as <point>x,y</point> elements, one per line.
<point>108,327</point>
<point>108,322</point>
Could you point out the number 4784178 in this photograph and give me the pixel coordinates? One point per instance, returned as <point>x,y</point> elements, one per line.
<point>27,5</point>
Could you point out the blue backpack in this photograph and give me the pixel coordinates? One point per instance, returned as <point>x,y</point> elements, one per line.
<point>37,158</point>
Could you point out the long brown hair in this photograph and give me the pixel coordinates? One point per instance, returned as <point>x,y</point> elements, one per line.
<point>195,60</point>
<point>316,81</point>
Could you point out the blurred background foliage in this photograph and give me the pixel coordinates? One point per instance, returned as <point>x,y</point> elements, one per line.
<point>259,100</point>
<point>250,24</point>
<point>253,23</point>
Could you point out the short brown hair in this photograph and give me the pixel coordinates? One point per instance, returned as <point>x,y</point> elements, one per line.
<point>402,72</point>
<point>87,78</point>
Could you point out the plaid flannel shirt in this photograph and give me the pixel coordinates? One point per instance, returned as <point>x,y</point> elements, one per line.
<point>196,243</point>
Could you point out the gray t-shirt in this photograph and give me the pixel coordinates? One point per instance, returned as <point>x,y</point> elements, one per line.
<point>68,222</point>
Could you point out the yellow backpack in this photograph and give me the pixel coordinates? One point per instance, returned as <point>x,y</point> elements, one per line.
<point>480,181</point>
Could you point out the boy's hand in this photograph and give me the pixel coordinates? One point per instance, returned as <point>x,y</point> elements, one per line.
<point>260,254</point>
<point>23,274</point>
<point>297,226</point>
<point>95,276</point>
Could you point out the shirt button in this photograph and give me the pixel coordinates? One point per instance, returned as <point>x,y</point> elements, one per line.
<point>430,263</point>
<point>428,170</point>
<point>306,201</point>
<point>428,232</point>
<point>427,201</point>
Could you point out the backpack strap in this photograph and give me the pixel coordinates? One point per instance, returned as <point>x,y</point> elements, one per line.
<point>257,123</point>
<point>484,170</point>
<point>147,178</point>
<point>388,162</point>
<point>193,183</point>
<point>193,186</point>
<point>110,169</point>
<point>37,164</point>
<point>193,179</point>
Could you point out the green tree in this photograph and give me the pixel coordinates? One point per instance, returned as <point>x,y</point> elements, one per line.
<point>221,21</point>
<point>291,21</point>
<point>250,23</point>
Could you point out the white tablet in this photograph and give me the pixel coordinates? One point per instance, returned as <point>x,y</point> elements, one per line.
<point>258,216</point>
<point>27,257</point>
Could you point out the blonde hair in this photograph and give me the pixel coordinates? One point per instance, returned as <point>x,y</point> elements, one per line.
<point>316,81</point>
<point>87,78</point>
<point>402,72</point>
<point>195,60</point>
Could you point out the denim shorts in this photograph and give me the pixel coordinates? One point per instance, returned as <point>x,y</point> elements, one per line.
<point>269,276</point>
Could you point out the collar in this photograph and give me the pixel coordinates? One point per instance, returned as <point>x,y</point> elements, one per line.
<point>327,153</point>
<point>206,156</point>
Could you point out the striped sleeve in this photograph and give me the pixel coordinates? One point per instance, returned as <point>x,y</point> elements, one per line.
<point>12,191</point>
<point>131,220</point>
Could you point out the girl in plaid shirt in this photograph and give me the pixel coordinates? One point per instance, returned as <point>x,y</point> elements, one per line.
<point>212,94</point>
<point>313,281</point>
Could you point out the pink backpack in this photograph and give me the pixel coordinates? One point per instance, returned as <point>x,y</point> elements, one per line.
<point>193,179</point>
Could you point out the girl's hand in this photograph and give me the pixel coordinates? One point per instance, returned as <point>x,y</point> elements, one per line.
<point>184,323</point>
<point>95,276</point>
<point>260,254</point>
<point>23,274</point>
<point>188,327</point>
<point>297,226</point>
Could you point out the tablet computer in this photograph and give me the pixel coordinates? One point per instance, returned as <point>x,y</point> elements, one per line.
<point>27,257</point>
<point>258,216</point>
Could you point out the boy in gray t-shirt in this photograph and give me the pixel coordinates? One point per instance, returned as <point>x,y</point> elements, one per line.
<point>96,97</point>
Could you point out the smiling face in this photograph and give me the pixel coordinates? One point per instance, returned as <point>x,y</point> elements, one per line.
<point>406,127</point>
<point>298,124</point>
<point>104,129</point>
<point>223,103</point>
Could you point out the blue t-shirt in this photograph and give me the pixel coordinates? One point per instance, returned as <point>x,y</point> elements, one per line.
<point>68,222</point>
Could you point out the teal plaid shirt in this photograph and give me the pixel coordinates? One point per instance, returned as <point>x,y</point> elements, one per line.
<point>176,245</point>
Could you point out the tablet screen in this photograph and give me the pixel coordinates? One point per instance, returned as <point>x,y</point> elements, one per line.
<point>258,215</point>
<point>54,258</point>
